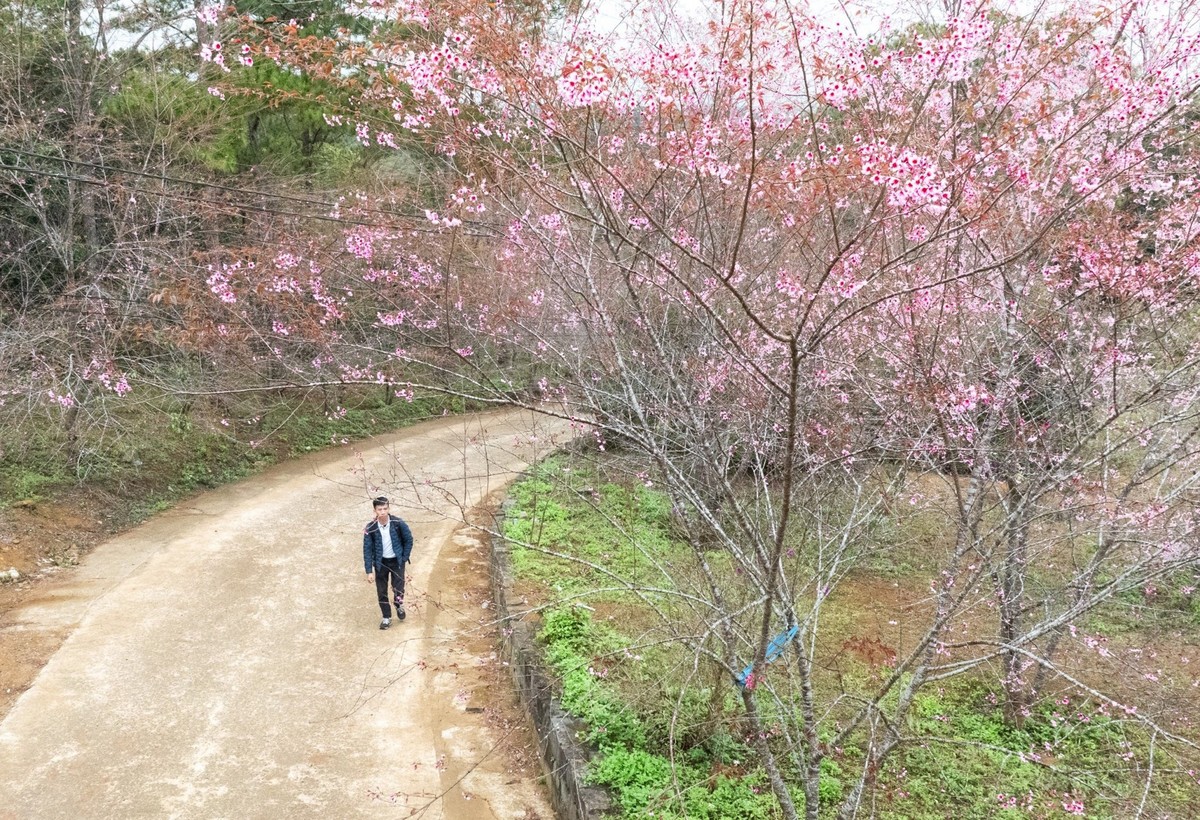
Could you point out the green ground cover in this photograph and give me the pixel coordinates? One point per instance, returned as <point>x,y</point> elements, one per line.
<point>154,453</point>
<point>594,551</point>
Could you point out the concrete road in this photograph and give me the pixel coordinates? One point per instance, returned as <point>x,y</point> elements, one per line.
<point>224,659</point>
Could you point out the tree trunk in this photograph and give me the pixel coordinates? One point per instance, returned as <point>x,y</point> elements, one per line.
<point>81,222</point>
<point>771,764</point>
<point>1012,596</point>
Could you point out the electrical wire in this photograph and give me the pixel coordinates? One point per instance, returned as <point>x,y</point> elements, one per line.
<point>201,183</point>
<point>229,206</point>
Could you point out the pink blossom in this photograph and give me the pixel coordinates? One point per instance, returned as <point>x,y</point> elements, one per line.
<point>66,401</point>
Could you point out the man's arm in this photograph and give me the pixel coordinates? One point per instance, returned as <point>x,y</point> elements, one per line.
<point>368,554</point>
<point>406,543</point>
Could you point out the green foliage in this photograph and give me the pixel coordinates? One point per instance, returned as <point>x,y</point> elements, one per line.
<point>318,17</point>
<point>722,748</point>
<point>728,798</point>
<point>646,785</point>
<point>159,105</point>
<point>685,712</point>
<point>830,788</point>
<point>317,425</point>
<point>620,527</point>
<point>569,637</point>
<point>153,507</point>
<point>666,745</point>
<point>154,455</point>
<point>1169,603</point>
<point>901,540</point>
<point>637,777</point>
<point>285,135</point>
<point>335,163</point>
<point>966,754</point>
<point>566,507</point>
<point>19,482</point>
<point>566,628</point>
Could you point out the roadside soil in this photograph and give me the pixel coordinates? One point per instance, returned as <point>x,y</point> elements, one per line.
<point>224,658</point>
<point>43,541</point>
<point>1153,670</point>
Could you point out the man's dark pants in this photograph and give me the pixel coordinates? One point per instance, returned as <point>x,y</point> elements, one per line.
<point>391,569</point>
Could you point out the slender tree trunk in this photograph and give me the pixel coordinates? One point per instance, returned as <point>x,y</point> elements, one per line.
<point>770,763</point>
<point>812,743</point>
<point>1012,597</point>
<point>81,221</point>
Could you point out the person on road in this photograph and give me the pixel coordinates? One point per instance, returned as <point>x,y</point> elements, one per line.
<point>387,547</point>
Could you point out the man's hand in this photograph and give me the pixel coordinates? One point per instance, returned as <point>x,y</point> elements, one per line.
<point>370,577</point>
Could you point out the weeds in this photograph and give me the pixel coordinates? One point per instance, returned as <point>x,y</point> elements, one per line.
<point>152,454</point>
<point>670,742</point>
<point>19,482</point>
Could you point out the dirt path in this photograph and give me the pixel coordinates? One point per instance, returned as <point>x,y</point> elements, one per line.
<point>224,659</point>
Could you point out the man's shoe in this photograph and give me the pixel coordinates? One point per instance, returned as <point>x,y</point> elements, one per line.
<point>399,609</point>
<point>386,622</point>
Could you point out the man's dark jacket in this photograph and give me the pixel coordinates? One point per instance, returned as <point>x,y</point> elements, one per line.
<point>373,543</point>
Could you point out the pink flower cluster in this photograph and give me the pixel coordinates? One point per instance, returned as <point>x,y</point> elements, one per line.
<point>220,281</point>
<point>585,78</point>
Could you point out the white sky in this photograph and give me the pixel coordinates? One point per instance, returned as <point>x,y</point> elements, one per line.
<point>864,15</point>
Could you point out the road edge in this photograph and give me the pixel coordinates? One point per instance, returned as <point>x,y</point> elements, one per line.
<point>564,759</point>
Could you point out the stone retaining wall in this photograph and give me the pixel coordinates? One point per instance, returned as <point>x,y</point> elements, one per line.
<point>563,757</point>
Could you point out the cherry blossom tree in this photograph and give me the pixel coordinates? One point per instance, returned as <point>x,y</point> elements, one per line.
<point>808,275</point>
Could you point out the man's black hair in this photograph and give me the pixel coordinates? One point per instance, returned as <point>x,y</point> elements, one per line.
<point>380,502</point>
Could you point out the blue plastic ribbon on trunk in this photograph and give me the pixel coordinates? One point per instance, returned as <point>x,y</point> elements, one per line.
<point>774,650</point>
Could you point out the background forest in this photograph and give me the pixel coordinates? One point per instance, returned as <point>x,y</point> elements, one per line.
<point>124,176</point>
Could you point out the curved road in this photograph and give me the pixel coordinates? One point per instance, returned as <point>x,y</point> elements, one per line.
<point>224,659</point>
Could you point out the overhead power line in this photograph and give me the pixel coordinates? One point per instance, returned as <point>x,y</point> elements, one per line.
<point>234,207</point>
<point>199,183</point>
<point>241,206</point>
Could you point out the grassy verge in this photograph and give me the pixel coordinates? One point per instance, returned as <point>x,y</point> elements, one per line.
<point>595,552</point>
<point>610,676</point>
<point>149,455</point>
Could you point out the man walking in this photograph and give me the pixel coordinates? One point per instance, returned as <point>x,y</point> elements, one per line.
<point>387,545</point>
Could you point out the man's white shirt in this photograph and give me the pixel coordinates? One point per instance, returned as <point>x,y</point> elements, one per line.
<point>385,532</point>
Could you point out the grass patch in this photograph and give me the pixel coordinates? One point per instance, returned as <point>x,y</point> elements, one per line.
<point>667,722</point>
<point>965,754</point>
<point>594,527</point>
<point>1168,604</point>
<point>637,769</point>
<point>152,454</point>
<point>20,482</point>
<point>665,748</point>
